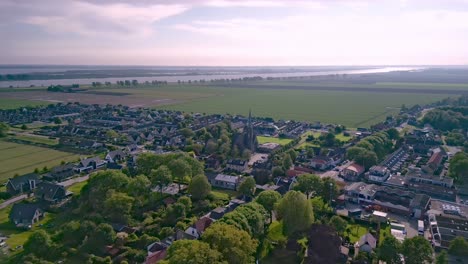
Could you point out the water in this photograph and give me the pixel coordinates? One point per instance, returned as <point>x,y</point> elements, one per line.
<point>174,74</point>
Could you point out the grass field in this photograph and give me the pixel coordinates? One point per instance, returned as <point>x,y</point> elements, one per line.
<point>354,104</point>
<point>353,109</point>
<point>21,159</point>
<point>281,141</point>
<point>8,103</point>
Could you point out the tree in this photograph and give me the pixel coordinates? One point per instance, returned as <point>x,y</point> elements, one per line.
<point>277,171</point>
<point>3,129</point>
<point>147,161</point>
<point>442,258</point>
<point>180,169</point>
<point>293,154</point>
<point>393,133</point>
<point>111,134</point>
<point>24,127</point>
<point>338,223</point>
<point>192,251</point>
<point>235,245</point>
<point>308,184</point>
<point>39,243</point>
<point>117,206</point>
<point>247,187</point>
<point>458,166</point>
<point>268,199</point>
<point>389,250</point>
<point>287,162</point>
<point>296,212</point>
<point>199,187</point>
<point>57,121</point>
<point>161,177</point>
<point>187,132</point>
<point>417,250</point>
<point>139,186</point>
<point>459,247</point>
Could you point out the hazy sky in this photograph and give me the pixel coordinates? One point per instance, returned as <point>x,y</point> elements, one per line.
<point>234,32</point>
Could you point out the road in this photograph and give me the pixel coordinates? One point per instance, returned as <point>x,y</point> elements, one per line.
<point>74,180</point>
<point>13,200</point>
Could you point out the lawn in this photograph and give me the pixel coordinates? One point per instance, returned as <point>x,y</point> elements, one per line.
<point>9,103</point>
<point>356,232</point>
<point>223,194</point>
<point>76,188</point>
<point>343,138</point>
<point>281,141</point>
<point>21,159</point>
<point>18,236</point>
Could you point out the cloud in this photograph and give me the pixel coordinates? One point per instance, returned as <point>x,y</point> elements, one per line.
<point>85,18</point>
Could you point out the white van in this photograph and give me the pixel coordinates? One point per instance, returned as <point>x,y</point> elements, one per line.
<point>420,228</point>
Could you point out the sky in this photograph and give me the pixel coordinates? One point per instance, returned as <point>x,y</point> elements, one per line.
<point>234,32</point>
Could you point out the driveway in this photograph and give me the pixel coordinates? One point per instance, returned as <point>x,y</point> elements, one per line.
<point>74,180</point>
<point>13,200</point>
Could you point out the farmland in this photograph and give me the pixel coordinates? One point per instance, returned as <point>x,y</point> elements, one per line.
<point>21,159</point>
<point>353,101</point>
<point>9,103</point>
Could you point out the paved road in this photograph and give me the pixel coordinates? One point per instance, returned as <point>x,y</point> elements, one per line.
<point>74,180</point>
<point>13,200</point>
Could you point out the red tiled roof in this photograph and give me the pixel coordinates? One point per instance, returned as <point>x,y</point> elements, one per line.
<point>156,257</point>
<point>202,224</point>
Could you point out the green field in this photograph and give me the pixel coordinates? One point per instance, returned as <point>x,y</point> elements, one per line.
<point>353,109</point>
<point>21,159</point>
<point>281,141</point>
<point>76,188</point>
<point>8,103</point>
<point>354,104</point>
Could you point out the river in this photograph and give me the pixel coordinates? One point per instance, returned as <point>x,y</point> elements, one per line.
<point>185,77</point>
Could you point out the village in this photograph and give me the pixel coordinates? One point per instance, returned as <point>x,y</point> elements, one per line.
<point>394,179</point>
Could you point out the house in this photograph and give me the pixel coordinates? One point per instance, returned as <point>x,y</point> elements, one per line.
<point>237,165</point>
<point>352,172</point>
<point>115,156</point>
<point>60,173</point>
<point>378,174</point>
<point>25,215</point>
<point>50,192</point>
<point>90,164</point>
<point>226,181</point>
<point>197,229</point>
<point>434,162</point>
<point>321,162</point>
<point>367,243</point>
<point>156,252</point>
<point>217,213</point>
<point>22,184</point>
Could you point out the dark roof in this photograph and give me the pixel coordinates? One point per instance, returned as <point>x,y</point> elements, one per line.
<point>23,211</point>
<point>237,162</point>
<point>114,153</point>
<point>17,181</point>
<point>87,161</point>
<point>47,190</point>
<point>62,168</point>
